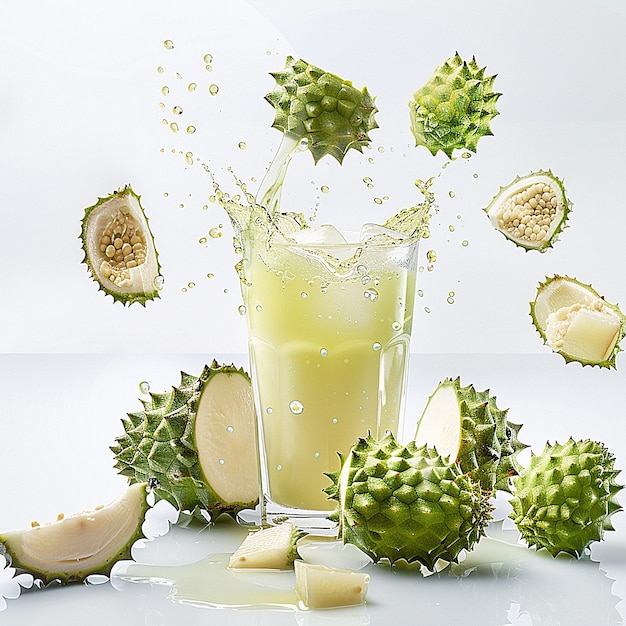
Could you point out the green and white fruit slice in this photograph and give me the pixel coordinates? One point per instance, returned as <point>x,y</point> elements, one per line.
<point>576,322</point>
<point>531,211</point>
<point>273,547</point>
<point>321,587</point>
<point>119,248</point>
<point>75,547</point>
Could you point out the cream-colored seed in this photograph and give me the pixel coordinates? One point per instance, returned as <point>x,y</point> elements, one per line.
<point>118,243</point>
<point>110,251</point>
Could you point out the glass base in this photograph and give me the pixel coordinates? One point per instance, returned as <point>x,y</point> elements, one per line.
<point>270,514</point>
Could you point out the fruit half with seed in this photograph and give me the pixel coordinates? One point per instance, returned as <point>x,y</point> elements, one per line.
<point>73,548</point>
<point>467,427</point>
<point>321,587</point>
<point>119,248</point>
<point>454,108</point>
<point>531,211</point>
<point>326,110</point>
<point>575,321</point>
<point>564,499</point>
<point>196,444</point>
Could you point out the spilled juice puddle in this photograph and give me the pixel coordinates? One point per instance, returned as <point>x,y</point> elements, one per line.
<point>210,583</point>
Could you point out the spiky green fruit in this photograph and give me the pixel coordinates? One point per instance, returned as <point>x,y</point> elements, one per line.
<point>564,499</point>
<point>453,110</point>
<point>73,548</point>
<point>407,503</point>
<point>326,110</point>
<point>119,248</point>
<point>196,445</point>
<point>531,211</point>
<point>575,321</point>
<point>468,427</point>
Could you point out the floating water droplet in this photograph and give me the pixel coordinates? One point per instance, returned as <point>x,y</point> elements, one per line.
<point>431,255</point>
<point>365,279</point>
<point>230,429</point>
<point>279,467</point>
<point>242,145</point>
<point>159,281</point>
<point>376,346</point>
<point>427,309</point>
<point>213,89</point>
<point>420,293</point>
<point>361,269</point>
<point>396,326</point>
<point>378,200</point>
<point>325,188</point>
<point>450,300</point>
<point>191,87</point>
<point>242,309</point>
<point>191,285</point>
<point>221,461</point>
<point>169,44</point>
<point>160,69</point>
<point>316,455</point>
<point>474,175</point>
<point>210,275</point>
<point>451,228</point>
<point>191,129</point>
<point>174,127</point>
<point>465,243</point>
<point>324,352</point>
<point>371,294</point>
<point>144,386</point>
<point>304,294</point>
<point>269,410</point>
<point>368,181</point>
<point>208,58</point>
<point>259,308</point>
<point>215,233</point>
<point>296,407</point>
<point>165,90</point>
<point>451,194</point>
<point>335,420</point>
<point>189,158</point>
<point>177,110</point>
<point>466,155</point>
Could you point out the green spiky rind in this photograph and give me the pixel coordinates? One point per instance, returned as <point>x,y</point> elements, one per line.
<point>103,568</point>
<point>158,446</point>
<point>125,298</point>
<point>454,108</point>
<point>563,501</point>
<point>610,362</point>
<point>326,110</point>
<point>489,442</point>
<point>406,503</point>
<point>566,204</point>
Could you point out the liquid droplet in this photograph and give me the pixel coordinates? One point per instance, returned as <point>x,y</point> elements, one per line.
<point>208,58</point>
<point>324,352</point>
<point>169,44</point>
<point>427,309</point>
<point>189,158</point>
<point>420,293</point>
<point>451,228</point>
<point>165,90</point>
<point>451,194</point>
<point>144,386</point>
<point>210,275</point>
<point>304,294</point>
<point>269,410</point>
<point>376,346</point>
<point>191,87</point>
<point>191,129</point>
<point>396,326</point>
<point>378,200</point>
<point>431,255</point>
<point>177,110</point>
<point>160,69</point>
<point>465,243</point>
<point>191,285</point>
<point>221,461</point>
<point>325,188</point>
<point>335,420</point>
<point>466,155</point>
<point>259,308</point>
<point>215,233</point>
<point>242,309</point>
<point>371,294</point>
<point>296,407</point>
<point>361,269</point>
<point>316,455</point>
<point>230,429</point>
<point>279,467</point>
<point>242,145</point>
<point>159,281</point>
<point>174,127</point>
<point>213,89</point>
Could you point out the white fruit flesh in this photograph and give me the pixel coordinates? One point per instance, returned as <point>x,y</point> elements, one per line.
<point>268,548</point>
<point>440,424</point>
<point>225,435</point>
<point>588,333</point>
<point>320,587</point>
<point>81,542</point>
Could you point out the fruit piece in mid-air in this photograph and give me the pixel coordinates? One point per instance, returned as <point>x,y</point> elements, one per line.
<point>563,501</point>
<point>326,110</point>
<point>453,110</point>
<point>321,587</point>
<point>468,427</point>
<point>577,322</point>
<point>196,445</point>
<point>73,548</point>
<point>119,248</point>
<point>531,211</point>
<point>407,503</point>
<point>273,547</point>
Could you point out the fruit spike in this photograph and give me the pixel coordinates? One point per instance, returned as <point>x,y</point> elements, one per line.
<point>407,503</point>
<point>119,248</point>
<point>566,496</point>
<point>453,110</point>
<point>531,211</point>
<point>327,111</point>
<point>196,444</point>
<point>576,322</point>
<point>468,427</point>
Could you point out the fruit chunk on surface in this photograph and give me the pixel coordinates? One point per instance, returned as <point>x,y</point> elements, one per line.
<point>576,322</point>
<point>119,248</point>
<point>72,548</point>
<point>467,427</point>
<point>531,211</point>
<point>196,444</point>
<point>268,548</point>
<point>453,110</point>
<point>407,503</point>
<point>564,499</point>
<point>326,110</point>
<point>321,587</point>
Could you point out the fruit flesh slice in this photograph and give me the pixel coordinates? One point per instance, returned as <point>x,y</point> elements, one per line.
<point>85,543</point>
<point>225,436</point>
<point>267,548</point>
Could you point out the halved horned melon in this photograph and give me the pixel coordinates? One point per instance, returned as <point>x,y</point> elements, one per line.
<point>531,211</point>
<point>119,248</point>
<point>575,321</point>
<point>72,548</point>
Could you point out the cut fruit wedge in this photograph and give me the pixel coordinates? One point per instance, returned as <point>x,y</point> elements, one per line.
<point>268,548</point>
